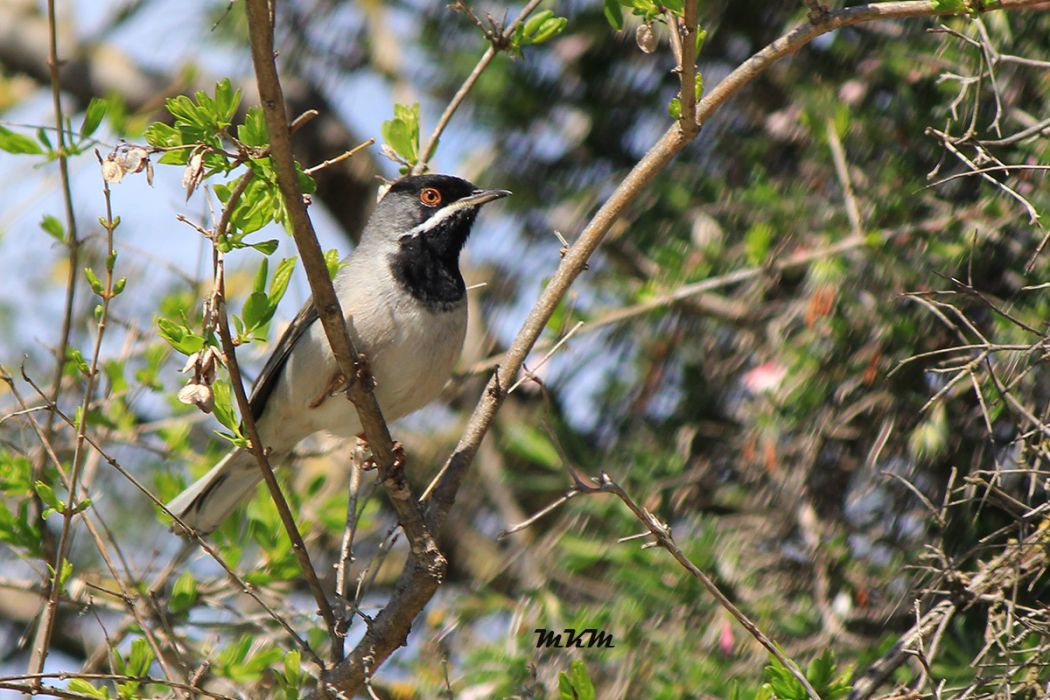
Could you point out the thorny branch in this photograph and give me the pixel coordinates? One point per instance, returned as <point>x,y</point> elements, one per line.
<point>395,625</point>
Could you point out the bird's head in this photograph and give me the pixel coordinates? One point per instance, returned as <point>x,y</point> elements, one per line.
<point>419,227</point>
<point>439,210</point>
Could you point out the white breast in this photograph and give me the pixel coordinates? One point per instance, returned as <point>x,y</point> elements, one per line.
<point>411,350</point>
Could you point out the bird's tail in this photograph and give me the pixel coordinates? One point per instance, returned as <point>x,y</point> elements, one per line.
<point>206,503</point>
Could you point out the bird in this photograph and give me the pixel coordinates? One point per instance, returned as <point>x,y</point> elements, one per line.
<point>405,302</point>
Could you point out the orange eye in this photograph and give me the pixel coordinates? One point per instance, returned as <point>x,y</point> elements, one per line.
<point>430,196</point>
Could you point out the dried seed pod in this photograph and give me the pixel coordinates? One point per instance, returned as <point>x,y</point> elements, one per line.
<point>646,37</point>
<point>199,395</point>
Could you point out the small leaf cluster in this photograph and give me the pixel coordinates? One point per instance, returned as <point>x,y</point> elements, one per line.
<point>576,684</point>
<point>241,664</point>
<point>829,682</point>
<point>541,27</point>
<point>47,496</point>
<point>16,528</point>
<point>202,139</point>
<point>80,140</point>
<point>401,136</point>
<point>261,304</point>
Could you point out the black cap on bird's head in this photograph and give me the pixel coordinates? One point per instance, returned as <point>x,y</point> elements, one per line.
<point>426,219</point>
<point>433,205</point>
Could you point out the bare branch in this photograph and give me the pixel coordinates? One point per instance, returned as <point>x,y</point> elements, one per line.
<point>259,451</point>
<point>46,625</point>
<point>498,43</point>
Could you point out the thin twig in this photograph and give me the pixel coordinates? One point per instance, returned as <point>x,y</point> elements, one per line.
<point>72,243</point>
<point>608,317</point>
<point>838,156</point>
<point>494,48</point>
<point>340,158</point>
<point>948,142</point>
<point>258,449</point>
<point>46,626</point>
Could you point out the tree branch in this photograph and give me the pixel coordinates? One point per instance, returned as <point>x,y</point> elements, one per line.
<point>428,559</point>
<point>259,452</point>
<point>497,44</point>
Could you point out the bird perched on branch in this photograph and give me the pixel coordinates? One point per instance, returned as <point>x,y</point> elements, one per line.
<point>406,306</point>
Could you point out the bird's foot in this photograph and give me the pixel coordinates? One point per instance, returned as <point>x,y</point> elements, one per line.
<point>335,384</point>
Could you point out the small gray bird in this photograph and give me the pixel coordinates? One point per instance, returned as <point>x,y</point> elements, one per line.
<point>405,301</point>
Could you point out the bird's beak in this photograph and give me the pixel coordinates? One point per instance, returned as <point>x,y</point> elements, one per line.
<point>479,197</point>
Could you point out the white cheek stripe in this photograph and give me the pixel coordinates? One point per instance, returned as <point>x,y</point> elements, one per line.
<point>432,222</point>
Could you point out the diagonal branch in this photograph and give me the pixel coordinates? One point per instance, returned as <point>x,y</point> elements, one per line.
<point>499,43</point>
<point>259,452</point>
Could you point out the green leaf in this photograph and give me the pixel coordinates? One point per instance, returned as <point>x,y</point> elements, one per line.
<point>701,37</point>
<point>530,442</point>
<point>224,406</point>
<point>234,654</point>
<point>94,281</point>
<point>256,310</point>
<point>536,21</point>
<point>79,685</point>
<point>253,131</point>
<point>757,241</point>
<point>179,336</point>
<point>279,284</point>
<point>67,571</point>
<point>53,227</point>
<point>266,247</point>
<point>77,358</point>
<point>261,274</point>
<point>540,28</point>
<point>140,659</point>
<point>226,101</point>
<point>183,593</point>
<point>613,14</point>
<point>118,287</point>
<point>96,110</point>
<point>402,132</point>
<point>47,495</point>
<point>163,135</point>
<point>17,530</point>
<point>293,667</point>
<point>331,260</point>
<point>17,143</point>
<point>674,108</point>
<point>577,684</point>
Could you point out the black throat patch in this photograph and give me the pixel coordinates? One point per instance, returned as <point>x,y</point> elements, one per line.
<point>427,264</point>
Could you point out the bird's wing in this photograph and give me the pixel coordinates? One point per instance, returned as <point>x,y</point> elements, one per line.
<point>271,372</point>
